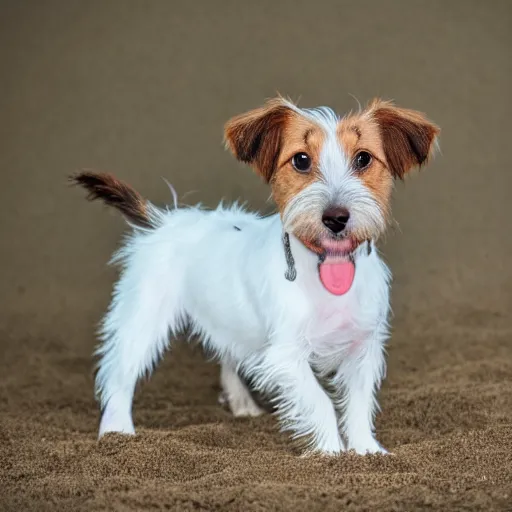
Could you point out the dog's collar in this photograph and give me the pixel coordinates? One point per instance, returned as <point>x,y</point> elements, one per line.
<point>291,271</point>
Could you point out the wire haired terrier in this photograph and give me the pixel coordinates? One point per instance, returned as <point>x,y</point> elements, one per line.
<point>289,300</point>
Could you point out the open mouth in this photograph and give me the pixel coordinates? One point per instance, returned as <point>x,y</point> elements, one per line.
<point>336,265</point>
<point>339,247</point>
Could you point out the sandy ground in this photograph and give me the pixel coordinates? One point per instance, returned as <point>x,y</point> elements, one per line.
<point>142,89</point>
<point>446,418</point>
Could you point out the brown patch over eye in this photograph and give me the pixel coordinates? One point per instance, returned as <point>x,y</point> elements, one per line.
<point>362,144</point>
<point>298,164</point>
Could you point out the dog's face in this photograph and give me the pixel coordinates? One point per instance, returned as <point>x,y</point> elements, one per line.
<point>331,177</point>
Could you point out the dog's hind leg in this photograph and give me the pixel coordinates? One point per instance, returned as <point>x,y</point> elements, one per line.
<point>144,310</point>
<point>235,392</point>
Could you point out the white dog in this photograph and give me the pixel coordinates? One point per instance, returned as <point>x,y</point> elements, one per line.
<point>284,299</point>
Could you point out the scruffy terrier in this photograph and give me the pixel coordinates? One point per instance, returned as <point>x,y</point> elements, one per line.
<point>288,300</point>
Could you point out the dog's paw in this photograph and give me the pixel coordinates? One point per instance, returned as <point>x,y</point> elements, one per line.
<point>114,422</point>
<point>243,408</point>
<point>223,398</point>
<point>325,449</point>
<point>321,453</point>
<point>241,405</point>
<point>366,447</point>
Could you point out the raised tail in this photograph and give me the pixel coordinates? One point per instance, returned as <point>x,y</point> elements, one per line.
<point>118,194</point>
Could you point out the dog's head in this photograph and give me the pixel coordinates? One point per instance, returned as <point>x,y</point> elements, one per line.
<point>332,177</point>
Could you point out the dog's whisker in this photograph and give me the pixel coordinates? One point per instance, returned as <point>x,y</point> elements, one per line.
<point>173,193</point>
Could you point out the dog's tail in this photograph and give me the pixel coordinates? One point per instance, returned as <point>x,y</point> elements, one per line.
<point>118,194</point>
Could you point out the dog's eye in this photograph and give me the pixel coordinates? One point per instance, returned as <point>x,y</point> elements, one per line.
<point>362,160</point>
<point>301,162</point>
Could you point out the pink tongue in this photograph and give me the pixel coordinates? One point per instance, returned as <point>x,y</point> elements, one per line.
<point>337,276</point>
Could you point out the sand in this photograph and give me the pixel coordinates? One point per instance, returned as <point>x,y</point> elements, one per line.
<point>446,418</point>
<point>143,89</point>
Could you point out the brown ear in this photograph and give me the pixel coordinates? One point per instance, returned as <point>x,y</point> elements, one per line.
<point>255,137</point>
<point>408,136</point>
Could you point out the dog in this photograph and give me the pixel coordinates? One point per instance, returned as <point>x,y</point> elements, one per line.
<point>298,301</point>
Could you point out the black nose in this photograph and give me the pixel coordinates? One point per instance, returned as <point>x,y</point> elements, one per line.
<point>336,219</point>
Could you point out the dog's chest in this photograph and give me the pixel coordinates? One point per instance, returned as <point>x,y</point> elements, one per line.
<point>339,324</point>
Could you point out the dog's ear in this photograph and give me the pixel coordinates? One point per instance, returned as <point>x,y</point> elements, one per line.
<point>255,137</point>
<point>408,136</point>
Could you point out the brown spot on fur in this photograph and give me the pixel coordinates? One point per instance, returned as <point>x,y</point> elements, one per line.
<point>407,136</point>
<point>398,140</point>
<point>255,137</point>
<point>288,182</point>
<point>267,138</point>
<point>356,130</point>
<point>115,193</point>
<point>309,131</point>
<point>361,133</point>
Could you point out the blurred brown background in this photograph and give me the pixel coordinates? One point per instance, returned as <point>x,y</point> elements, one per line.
<point>142,89</point>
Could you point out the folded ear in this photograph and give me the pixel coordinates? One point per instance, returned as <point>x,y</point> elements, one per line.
<point>255,137</point>
<point>408,136</point>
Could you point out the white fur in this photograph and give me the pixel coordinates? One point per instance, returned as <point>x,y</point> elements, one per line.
<point>195,269</point>
<point>229,286</point>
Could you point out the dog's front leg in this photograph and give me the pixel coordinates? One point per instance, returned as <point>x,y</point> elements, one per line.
<point>303,406</point>
<point>357,381</point>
